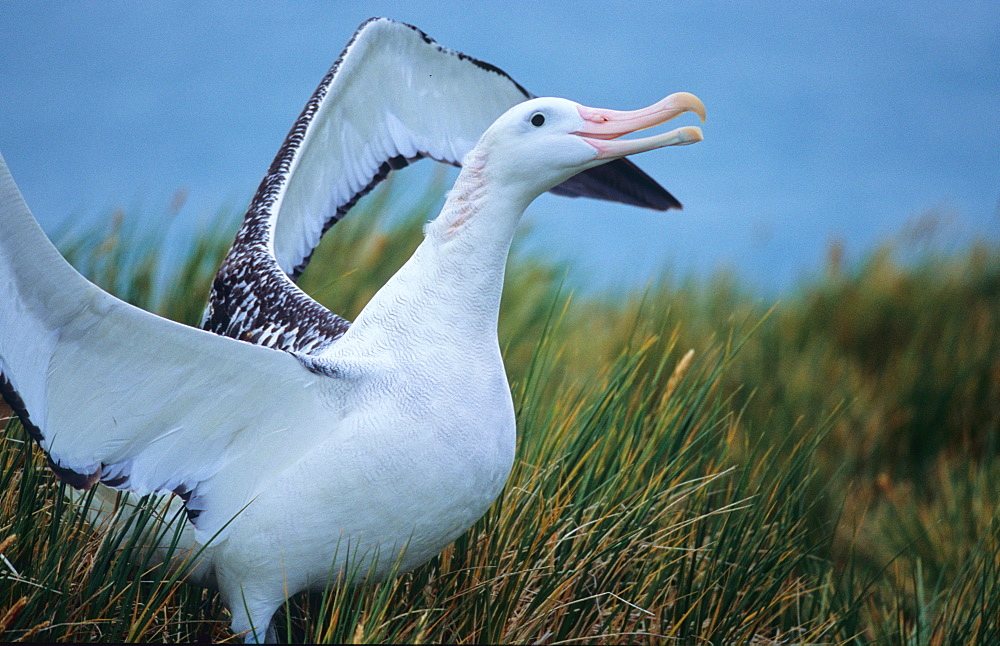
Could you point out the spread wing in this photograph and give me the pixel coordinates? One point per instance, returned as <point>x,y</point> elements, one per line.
<point>392,97</point>
<point>119,395</point>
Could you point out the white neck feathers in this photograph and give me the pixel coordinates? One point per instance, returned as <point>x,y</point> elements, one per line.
<point>465,199</point>
<point>454,279</point>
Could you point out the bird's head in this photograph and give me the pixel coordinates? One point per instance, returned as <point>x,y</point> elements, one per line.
<point>542,142</point>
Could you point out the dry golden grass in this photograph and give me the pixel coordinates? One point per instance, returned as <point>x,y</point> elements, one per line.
<point>693,466</point>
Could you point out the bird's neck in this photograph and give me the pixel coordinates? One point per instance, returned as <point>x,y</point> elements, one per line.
<point>451,285</point>
<point>479,218</point>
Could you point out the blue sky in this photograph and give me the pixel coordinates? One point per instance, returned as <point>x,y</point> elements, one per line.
<point>826,120</point>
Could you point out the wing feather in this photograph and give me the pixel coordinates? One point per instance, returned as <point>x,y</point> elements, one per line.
<point>396,92</point>
<point>115,393</point>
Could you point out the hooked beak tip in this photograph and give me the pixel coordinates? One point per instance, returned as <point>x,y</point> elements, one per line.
<point>690,102</point>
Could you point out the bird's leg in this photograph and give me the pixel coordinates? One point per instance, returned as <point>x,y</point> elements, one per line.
<point>271,635</point>
<point>252,613</point>
<point>256,629</point>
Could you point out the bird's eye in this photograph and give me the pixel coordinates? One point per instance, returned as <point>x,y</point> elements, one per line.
<point>537,119</point>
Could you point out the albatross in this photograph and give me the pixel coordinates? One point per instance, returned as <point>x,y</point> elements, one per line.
<point>391,441</point>
<point>394,96</point>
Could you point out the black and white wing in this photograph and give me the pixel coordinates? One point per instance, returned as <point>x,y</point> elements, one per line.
<point>394,96</point>
<point>117,395</point>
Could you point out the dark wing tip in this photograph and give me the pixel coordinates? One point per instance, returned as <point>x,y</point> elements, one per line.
<point>619,181</point>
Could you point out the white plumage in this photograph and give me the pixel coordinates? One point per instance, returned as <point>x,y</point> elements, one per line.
<point>398,435</point>
<point>392,98</point>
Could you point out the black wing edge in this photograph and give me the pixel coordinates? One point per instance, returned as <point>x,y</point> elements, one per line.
<point>619,181</point>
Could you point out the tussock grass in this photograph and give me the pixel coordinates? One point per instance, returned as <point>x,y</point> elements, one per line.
<point>693,466</point>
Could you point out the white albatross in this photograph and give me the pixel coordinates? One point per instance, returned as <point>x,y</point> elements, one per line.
<point>392,440</point>
<point>393,96</point>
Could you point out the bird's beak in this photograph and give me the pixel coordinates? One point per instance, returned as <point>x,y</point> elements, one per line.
<point>603,127</point>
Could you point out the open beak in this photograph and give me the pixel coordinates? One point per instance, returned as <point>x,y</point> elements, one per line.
<point>603,127</point>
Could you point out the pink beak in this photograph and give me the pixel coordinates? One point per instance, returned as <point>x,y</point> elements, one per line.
<point>604,126</point>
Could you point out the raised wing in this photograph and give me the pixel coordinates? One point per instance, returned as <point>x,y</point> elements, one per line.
<point>394,96</point>
<point>119,395</point>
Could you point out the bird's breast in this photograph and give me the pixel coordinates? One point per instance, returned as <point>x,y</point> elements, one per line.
<point>419,456</point>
